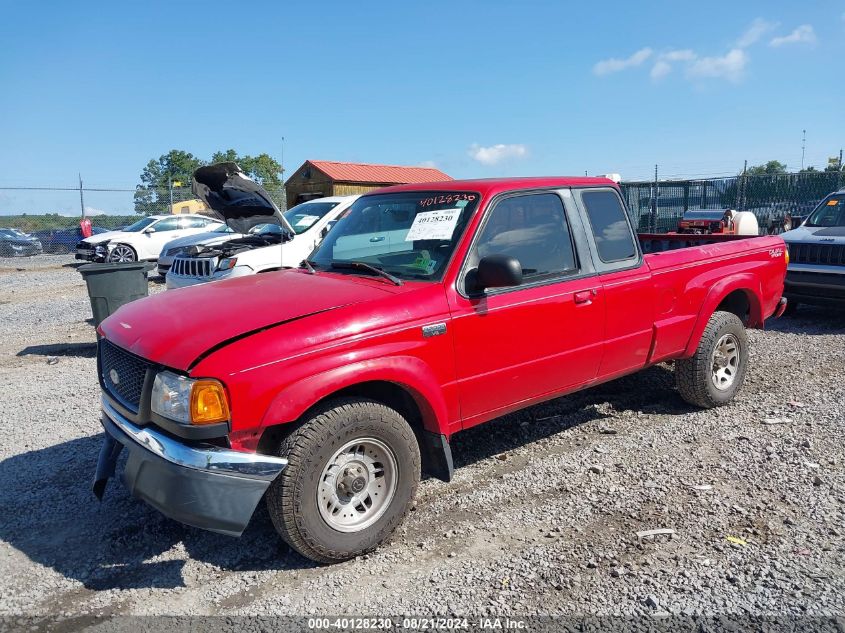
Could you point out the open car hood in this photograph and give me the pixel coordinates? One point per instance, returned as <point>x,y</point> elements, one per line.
<point>236,199</point>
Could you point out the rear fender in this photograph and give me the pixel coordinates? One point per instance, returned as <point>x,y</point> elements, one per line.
<point>746,282</point>
<point>410,373</point>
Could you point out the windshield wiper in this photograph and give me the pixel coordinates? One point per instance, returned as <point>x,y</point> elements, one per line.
<point>307,264</point>
<point>369,267</point>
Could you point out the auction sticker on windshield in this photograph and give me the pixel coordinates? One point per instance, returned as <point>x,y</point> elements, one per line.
<point>434,225</point>
<point>307,220</point>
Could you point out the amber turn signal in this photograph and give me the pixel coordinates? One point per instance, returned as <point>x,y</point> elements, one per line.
<point>209,404</point>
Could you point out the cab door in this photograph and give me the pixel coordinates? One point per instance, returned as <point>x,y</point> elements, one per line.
<point>530,342</point>
<point>625,279</point>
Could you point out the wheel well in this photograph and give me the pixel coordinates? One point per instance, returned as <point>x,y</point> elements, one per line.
<point>434,449</point>
<point>388,393</point>
<point>737,303</point>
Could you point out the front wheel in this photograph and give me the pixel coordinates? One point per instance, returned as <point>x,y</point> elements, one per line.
<point>713,375</point>
<point>122,254</point>
<point>353,470</point>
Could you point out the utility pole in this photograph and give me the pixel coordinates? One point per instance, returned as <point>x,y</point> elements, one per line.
<point>803,144</point>
<point>82,200</point>
<point>170,189</point>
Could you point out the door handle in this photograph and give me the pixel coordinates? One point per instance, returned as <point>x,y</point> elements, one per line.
<point>377,239</point>
<point>585,297</point>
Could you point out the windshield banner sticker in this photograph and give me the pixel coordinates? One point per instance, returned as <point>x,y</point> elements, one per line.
<point>434,225</point>
<point>307,220</point>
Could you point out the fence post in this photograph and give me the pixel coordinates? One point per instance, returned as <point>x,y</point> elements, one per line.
<point>81,199</point>
<point>654,202</point>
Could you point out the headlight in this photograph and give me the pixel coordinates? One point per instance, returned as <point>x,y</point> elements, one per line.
<point>227,263</point>
<point>188,400</point>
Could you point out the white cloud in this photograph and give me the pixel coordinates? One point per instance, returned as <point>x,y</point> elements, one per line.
<point>89,211</point>
<point>729,66</point>
<point>663,65</point>
<point>428,163</point>
<point>613,65</point>
<point>803,34</point>
<point>758,28</point>
<point>684,55</point>
<point>497,153</point>
<point>660,70</point>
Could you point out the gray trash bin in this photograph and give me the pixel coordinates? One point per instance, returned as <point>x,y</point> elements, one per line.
<point>112,285</point>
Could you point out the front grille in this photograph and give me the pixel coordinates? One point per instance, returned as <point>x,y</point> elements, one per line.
<point>822,254</point>
<point>191,267</point>
<point>128,369</point>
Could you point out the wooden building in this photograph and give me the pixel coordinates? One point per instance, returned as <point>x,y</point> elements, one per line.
<point>320,178</point>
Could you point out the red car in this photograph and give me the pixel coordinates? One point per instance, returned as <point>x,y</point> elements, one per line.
<point>426,310</point>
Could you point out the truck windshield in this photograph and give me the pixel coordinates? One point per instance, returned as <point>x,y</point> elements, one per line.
<point>410,235</point>
<point>831,212</point>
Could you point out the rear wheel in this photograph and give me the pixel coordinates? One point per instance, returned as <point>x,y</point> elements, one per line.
<point>713,375</point>
<point>121,254</point>
<point>353,470</point>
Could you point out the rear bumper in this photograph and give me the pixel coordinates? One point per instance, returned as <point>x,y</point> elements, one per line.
<point>815,287</point>
<point>207,487</point>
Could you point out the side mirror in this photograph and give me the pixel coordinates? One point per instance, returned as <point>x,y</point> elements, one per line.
<point>494,271</point>
<point>150,229</point>
<point>327,228</point>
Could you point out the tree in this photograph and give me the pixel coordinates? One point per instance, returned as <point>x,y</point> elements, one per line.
<point>152,195</point>
<point>263,169</point>
<point>772,168</point>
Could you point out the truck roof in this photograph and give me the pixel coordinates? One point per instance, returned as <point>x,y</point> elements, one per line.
<point>492,186</point>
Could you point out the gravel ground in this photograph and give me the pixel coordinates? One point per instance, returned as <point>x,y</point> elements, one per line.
<point>541,517</point>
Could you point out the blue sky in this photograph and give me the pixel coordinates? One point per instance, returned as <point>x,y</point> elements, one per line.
<point>475,88</point>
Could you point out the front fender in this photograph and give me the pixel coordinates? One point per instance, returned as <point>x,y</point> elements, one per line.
<point>748,283</point>
<point>410,373</point>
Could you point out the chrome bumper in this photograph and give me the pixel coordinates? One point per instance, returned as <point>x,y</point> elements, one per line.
<point>205,486</point>
<point>208,458</point>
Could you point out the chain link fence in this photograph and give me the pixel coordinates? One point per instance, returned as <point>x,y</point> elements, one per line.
<point>31,209</point>
<point>654,206</point>
<point>657,207</point>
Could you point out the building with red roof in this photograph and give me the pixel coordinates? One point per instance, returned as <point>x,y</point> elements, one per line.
<point>320,178</point>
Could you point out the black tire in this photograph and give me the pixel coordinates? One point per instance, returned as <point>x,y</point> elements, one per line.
<point>695,376</point>
<point>292,497</point>
<point>119,249</point>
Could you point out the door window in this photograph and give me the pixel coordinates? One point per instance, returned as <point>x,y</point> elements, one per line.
<point>533,229</point>
<point>609,223</point>
<point>167,224</point>
<point>192,223</point>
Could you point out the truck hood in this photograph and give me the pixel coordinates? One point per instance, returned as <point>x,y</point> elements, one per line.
<point>235,198</point>
<point>816,235</point>
<point>178,327</point>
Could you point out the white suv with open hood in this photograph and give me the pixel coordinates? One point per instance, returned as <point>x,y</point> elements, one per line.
<point>272,240</point>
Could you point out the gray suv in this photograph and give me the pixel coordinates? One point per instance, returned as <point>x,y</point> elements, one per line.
<point>816,272</point>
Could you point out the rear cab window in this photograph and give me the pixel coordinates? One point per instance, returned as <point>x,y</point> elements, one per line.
<point>610,228</point>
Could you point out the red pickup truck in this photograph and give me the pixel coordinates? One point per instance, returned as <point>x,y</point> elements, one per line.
<point>428,309</point>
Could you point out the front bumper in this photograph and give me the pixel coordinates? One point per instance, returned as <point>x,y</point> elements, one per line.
<point>182,281</point>
<point>25,250</point>
<point>205,486</point>
<point>816,287</point>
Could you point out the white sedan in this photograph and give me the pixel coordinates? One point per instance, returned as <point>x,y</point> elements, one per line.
<point>144,239</point>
